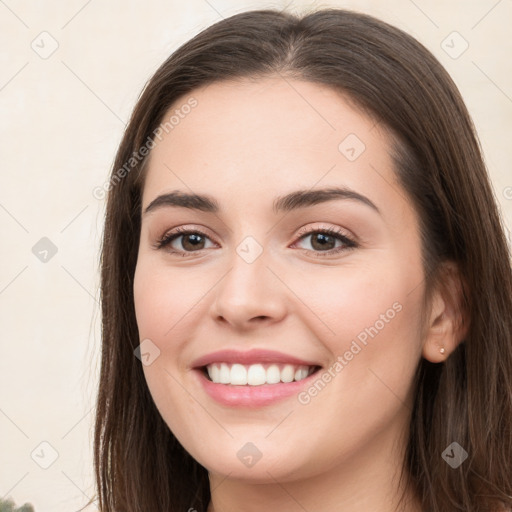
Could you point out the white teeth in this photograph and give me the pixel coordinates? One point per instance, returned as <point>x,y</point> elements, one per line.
<point>288,373</point>
<point>273,374</point>
<point>301,373</point>
<point>238,375</point>
<point>256,374</point>
<point>215,373</point>
<point>224,374</point>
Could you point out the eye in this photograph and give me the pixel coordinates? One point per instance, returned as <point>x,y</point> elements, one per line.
<point>193,240</point>
<point>323,241</point>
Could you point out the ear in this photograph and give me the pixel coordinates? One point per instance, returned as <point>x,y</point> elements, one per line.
<point>447,324</point>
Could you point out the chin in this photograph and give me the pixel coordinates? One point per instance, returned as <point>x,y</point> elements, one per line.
<point>248,464</point>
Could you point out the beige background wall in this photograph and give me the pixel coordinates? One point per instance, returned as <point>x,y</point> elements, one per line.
<point>62,116</point>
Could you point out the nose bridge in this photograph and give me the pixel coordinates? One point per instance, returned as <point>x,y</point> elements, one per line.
<point>249,289</point>
<point>248,276</point>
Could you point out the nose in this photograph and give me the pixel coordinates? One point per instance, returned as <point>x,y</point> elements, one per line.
<point>249,295</point>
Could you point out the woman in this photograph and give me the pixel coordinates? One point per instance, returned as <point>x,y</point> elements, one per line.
<point>341,340</point>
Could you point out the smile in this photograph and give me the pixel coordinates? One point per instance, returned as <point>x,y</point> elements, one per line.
<point>252,378</point>
<point>257,374</point>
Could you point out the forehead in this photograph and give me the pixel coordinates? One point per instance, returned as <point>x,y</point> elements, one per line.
<point>273,111</point>
<point>262,137</point>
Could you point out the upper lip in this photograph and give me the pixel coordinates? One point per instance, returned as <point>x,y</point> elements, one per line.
<point>253,356</point>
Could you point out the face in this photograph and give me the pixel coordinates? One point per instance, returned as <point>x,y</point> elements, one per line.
<point>322,288</point>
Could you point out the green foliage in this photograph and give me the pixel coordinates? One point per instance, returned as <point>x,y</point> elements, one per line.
<point>9,506</point>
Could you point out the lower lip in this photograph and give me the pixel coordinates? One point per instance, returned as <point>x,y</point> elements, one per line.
<point>252,396</point>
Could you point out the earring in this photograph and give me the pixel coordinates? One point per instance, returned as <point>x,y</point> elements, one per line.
<point>441,350</point>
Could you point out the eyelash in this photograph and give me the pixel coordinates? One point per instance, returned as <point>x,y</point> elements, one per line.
<point>348,242</point>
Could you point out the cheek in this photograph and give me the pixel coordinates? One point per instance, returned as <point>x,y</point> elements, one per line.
<point>163,298</point>
<point>369,320</point>
<point>361,302</point>
<point>373,339</point>
<point>163,301</point>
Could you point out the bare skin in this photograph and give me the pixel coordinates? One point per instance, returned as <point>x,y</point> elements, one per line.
<point>245,144</point>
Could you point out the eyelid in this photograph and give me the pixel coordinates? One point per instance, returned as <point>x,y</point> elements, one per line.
<point>307,230</point>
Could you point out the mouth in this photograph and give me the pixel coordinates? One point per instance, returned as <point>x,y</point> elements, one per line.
<point>236,374</point>
<point>256,385</point>
<point>253,378</point>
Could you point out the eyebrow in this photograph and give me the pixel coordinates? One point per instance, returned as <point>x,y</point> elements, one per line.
<point>292,201</point>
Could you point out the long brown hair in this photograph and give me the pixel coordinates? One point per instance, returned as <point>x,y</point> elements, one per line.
<point>139,464</point>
